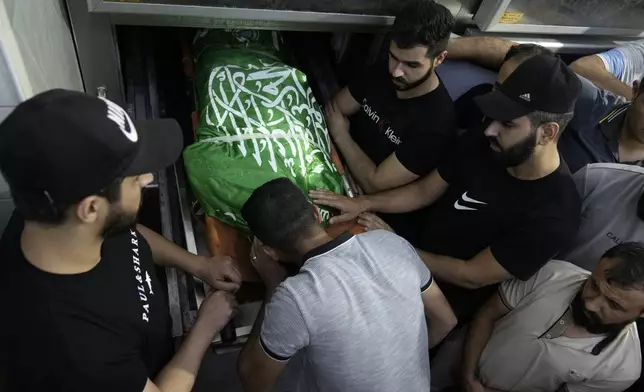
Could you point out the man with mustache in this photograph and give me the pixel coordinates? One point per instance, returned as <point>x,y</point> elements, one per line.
<point>564,329</point>
<point>391,128</point>
<point>494,53</point>
<point>88,311</point>
<point>606,128</point>
<point>504,203</point>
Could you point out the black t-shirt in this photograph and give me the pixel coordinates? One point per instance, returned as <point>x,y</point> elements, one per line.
<point>420,131</point>
<point>525,223</point>
<point>103,330</point>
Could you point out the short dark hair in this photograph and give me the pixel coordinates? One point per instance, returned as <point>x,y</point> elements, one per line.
<point>279,214</point>
<point>628,272</point>
<point>40,208</point>
<point>539,118</point>
<point>423,22</point>
<point>522,52</point>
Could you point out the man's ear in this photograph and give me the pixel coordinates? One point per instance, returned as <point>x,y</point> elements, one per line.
<point>272,253</point>
<point>87,210</point>
<point>438,60</point>
<point>549,132</point>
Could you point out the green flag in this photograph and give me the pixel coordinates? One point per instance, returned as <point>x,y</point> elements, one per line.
<point>258,120</point>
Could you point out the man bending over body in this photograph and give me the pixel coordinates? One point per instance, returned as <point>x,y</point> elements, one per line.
<point>356,309</point>
<point>505,203</point>
<point>562,330</point>
<point>402,123</point>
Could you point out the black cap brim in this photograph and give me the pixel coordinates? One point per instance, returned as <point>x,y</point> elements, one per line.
<point>161,145</point>
<point>499,107</point>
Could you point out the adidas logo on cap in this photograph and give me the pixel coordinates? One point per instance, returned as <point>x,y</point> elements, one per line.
<point>525,97</point>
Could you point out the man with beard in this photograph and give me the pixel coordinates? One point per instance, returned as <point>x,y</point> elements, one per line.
<point>391,128</point>
<point>504,203</point>
<point>605,128</point>
<point>84,308</point>
<point>612,213</point>
<point>564,329</point>
<point>592,104</point>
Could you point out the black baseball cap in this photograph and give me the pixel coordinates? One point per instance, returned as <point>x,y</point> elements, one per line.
<point>67,145</point>
<point>541,83</point>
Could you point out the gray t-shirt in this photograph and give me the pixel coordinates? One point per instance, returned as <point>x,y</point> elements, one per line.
<point>610,193</point>
<point>355,310</point>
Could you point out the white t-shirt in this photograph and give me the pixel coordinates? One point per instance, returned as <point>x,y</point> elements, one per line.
<point>528,351</point>
<point>626,62</point>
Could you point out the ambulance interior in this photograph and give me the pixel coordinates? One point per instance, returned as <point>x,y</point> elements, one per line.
<point>139,53</point>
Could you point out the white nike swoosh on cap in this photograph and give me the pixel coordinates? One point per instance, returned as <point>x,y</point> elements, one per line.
<point>463,208</point>
<point>470,200</point>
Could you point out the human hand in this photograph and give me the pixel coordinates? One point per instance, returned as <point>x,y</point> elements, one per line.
<point>271,272</point>
<point>220,273</point>
<point>373,222</point>
<point>337,122</point>
<point>349,207</point>
<point>216,310</point>
<point>471,384</point>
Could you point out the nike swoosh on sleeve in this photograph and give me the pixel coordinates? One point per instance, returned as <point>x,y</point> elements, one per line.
<point>463,208</point>
<point>470,200</point>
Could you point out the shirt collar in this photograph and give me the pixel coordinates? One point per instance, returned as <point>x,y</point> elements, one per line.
<point>559,327</point>
<point>611,126</point>
<point>334,243</point>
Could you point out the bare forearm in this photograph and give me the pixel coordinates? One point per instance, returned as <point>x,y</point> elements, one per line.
<point>493,390</point>
<point>168,254</point>
<point>247,372</point>
<point>361,166</point>
<point>447,268</point>
<point>440,316</point>
<point>410,197</point>
<point>180,373</point>
<point>486,51</point>
<point>399,200</point>
<point>437,331</point>
<point>593,69</point>
<point>477,338</point>
<point>251,378</point>
<point>253,337</point>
